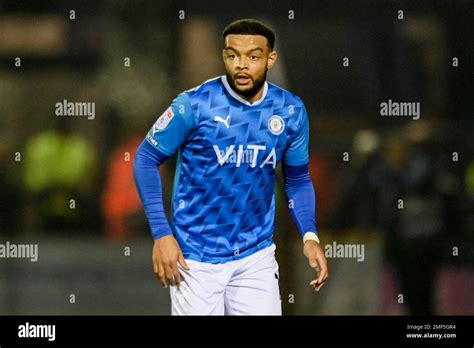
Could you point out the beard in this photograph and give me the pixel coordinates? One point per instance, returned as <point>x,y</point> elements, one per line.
<point>248,93</point>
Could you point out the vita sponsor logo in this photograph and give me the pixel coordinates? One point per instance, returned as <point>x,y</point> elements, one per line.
<point>249,155</point>
<point>37,331</point>
<point>238,155</point>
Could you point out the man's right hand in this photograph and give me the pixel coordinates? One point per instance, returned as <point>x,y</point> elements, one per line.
<point>166,255</point>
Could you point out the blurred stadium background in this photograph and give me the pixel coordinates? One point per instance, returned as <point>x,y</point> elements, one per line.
<point>132,57</point>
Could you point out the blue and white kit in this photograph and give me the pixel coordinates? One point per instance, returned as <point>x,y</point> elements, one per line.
<point>223,203</point>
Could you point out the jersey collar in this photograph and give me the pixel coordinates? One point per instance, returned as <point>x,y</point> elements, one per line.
<point>239,98</point>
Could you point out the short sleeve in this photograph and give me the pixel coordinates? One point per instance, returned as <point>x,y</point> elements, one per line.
<point>173,127</point>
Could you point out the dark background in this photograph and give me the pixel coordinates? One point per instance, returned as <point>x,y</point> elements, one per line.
<point>100,249</point>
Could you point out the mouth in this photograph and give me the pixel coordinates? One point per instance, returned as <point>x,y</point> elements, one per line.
<point>242,79</point>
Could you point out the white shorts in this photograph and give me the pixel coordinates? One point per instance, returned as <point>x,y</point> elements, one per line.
<point>248,286</point>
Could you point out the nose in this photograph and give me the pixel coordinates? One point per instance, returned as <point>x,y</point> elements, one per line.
<point>241,63</point>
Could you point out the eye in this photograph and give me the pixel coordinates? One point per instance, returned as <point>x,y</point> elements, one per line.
<point>231,56</point>
<point>254,57</point>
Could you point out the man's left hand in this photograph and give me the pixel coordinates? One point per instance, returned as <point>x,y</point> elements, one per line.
<point>315,254</point>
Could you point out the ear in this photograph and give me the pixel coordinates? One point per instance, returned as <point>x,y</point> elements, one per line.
<point>223,55</point>
<point>272,57</point>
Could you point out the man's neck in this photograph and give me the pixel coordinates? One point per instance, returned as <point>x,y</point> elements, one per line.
<point>255,97</point>
<point>249,99</point>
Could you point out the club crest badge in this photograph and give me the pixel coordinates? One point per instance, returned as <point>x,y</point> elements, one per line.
<point>276,125</point>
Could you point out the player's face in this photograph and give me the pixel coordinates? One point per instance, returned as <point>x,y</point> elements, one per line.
<point>247,59</point>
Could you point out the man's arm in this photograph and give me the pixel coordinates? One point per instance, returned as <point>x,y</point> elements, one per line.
<point>300,193</point>
<point>148,182</point>
<point>169,132</point>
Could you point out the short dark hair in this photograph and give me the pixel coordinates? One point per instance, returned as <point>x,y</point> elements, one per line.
<point>250,27</point>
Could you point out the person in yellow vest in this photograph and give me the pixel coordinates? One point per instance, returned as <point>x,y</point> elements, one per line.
<point>58,168</point>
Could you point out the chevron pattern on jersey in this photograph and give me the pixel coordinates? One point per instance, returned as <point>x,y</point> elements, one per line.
<point>225,210</point>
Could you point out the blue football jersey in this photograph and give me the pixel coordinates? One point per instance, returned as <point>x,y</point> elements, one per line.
<point>223,203</point>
